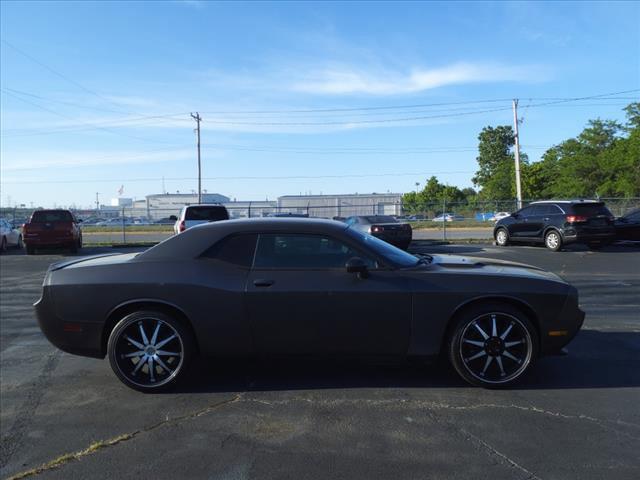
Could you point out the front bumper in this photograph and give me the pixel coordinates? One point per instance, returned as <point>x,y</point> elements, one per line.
<point>558,334</point>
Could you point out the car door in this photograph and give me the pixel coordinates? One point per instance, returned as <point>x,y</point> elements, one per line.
<point>301,300</point>
<point>536,221</point>
<point>520,226</point>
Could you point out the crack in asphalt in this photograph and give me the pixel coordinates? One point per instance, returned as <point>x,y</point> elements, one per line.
<point>96,447</point>
<point>14,437</point>
<point>605,424</point>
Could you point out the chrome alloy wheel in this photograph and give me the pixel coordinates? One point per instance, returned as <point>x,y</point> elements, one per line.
<point>501,237</point>
<point>149,352</point>
<point>552,240</point>
<point>495,348</point>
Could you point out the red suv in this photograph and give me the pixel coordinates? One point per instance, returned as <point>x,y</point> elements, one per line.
<point>52,228</point>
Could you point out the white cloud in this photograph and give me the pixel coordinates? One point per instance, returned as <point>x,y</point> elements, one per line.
<point>348,80</point>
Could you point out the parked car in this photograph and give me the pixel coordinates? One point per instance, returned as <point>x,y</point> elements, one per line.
<point>500,216</point>
<point>115,222</point>
<point>52,228</point>
<point>556,223</point>
<point>448,217</point>
<point>628,226</point>
<point>9,236</point>
<point>302,287</point>
<point>384,227</point>
<point>193,215</point>
<point>416,218</point>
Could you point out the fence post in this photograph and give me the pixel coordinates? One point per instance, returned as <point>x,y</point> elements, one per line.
<point>444,218</point>
<point>249,210</point>
<point>124,236</point>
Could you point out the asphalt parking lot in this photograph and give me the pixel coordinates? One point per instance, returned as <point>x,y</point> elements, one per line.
<point>576,416</point>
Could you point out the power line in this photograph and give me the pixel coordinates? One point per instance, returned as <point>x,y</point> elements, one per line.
<point>57,73</point>
<point>90,126</point>
<point>284,177</point>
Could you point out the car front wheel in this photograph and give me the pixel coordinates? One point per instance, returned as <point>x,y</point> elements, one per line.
<point>553,241</point>
<point>149,351</point>
<point>493,345</point>
<point>502,237</point>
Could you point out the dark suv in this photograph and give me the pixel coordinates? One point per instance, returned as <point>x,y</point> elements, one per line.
<point>557,223</point>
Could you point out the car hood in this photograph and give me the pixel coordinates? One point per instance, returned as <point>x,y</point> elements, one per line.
<point>484,266</point>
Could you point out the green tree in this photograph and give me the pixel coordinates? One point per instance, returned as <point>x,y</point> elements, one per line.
<point>496,164</point>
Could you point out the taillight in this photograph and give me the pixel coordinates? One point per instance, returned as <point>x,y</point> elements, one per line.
<point>24,228</point>
<point>182,226</point>
<point>576,218</point>
<point>377,228</point>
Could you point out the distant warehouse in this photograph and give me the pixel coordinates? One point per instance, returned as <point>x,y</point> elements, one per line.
<point>329,206</point>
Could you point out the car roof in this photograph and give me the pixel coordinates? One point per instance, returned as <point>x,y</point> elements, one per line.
<point>196,240</point>
<point>566,201</point>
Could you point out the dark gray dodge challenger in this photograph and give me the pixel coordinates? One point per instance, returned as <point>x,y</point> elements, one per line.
<point>302,287</point>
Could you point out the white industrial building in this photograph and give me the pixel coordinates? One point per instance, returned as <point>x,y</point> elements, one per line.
<point>329,206</point>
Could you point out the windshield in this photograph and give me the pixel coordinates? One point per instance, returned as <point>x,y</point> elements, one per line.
<point>206,213</point>
<point>51,216</point>
<point>384,249</point>
<point>591,210</point>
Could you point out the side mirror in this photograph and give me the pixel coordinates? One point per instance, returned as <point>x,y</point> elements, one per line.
<point>173,217</point>
<point>357,265</point>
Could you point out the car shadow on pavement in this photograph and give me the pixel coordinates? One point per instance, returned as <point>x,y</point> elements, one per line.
<point>597,359</point>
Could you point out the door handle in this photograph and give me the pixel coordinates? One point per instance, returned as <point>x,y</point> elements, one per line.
<point>261,282</point>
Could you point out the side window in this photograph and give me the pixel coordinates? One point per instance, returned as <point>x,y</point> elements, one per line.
<point>350,221</point>
<point>304,251</point>
<point>526,212</point>
<point>236,250</point>
<point>554,210</point>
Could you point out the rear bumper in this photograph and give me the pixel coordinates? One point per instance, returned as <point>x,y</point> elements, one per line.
<point>587,235</point>
<point>401,239</point>
<point>78,338</point>
<point>48,241</point>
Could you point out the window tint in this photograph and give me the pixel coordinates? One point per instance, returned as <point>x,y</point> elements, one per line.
<point>350,221</point>
<point>206,213</point>
<point>554,210</point>
<point>380,219</point>
<point>591,209</point>
<point>527,211</point>
<point>236,250</point>
<point>303,251</point>
<point>48,216</point>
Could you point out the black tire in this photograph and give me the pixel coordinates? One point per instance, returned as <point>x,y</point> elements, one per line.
<point>31,250</point>
<point>502,237</point>
<point>488,357</point>
<point>3,244</point>
<point>553,240</point>
<point>128,344</point>
<point>73,248</point>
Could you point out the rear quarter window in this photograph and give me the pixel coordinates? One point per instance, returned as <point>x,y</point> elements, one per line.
<point>50,217</point>
<point>236,250</point>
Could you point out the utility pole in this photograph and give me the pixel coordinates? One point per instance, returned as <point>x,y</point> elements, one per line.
<point>517,152</point>
<point>197,118</point>
<point>97,202</point>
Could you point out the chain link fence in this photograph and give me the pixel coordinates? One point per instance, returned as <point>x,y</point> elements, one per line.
<point>136,225</point>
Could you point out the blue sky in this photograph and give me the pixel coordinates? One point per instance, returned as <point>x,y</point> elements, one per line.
<point>96,95</point>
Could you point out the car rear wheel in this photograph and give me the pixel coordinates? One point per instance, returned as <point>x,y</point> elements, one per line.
<point>553,240</point>
<point>493,345</point>
<point>3,244</point>
<point>502,237</point>
<point>149,350</point>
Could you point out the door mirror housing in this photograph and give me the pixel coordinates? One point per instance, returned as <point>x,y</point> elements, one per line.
<point>357,265</point>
